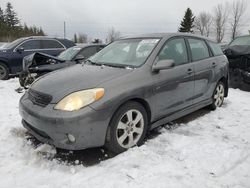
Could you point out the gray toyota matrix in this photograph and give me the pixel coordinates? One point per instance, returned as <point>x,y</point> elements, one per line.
<point>133,85</point>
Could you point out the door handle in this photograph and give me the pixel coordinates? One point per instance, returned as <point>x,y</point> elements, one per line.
<point>214,64</point>
<point>190,71</point>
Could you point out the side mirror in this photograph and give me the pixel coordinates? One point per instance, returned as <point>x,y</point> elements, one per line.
<point>163,64</point>
<point>20,49</point>
<point>79,58</point>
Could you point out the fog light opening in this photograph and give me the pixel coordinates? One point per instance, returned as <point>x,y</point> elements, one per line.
<point>71,138</point>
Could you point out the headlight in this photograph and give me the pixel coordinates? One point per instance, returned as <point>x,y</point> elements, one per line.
<point>79,99</point>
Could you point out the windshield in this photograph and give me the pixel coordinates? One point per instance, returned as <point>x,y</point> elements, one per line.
<point>241,41</point>
<point>129,52</point>
<point>13,44</point>
<point>69,54</point>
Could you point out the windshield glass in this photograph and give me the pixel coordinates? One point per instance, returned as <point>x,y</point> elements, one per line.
<point>244,41</point>
<point>129,52</point>
<point>69,54</point>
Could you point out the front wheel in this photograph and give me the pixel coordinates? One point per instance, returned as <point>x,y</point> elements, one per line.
<point>127,128</point>
<point>218,96</point>
<point>4,72</point>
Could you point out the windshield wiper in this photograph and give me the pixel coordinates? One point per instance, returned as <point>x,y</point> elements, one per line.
<point>91,62</point>
<point>113,65</point>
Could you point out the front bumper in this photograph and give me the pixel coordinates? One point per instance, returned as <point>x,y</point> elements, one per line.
<point>87,125</point>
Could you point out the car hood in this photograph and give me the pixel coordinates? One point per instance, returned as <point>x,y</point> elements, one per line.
<point>237,51</point>
<point>60,83</point>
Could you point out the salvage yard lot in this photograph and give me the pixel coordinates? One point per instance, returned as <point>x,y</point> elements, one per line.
<point>204,149</point>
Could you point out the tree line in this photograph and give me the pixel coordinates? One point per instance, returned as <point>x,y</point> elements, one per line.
<point>111,36</point>
<point>226,19</point>
<point>11,27</point>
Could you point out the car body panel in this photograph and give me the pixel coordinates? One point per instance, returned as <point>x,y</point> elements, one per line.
<point>239,62</point>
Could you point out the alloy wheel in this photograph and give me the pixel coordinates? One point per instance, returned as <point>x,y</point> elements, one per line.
<point>130,128</point>
<point>219,95</point>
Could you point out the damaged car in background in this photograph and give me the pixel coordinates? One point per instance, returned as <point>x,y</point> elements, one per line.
<point>12,54</point>
<point>38,64</point>
<point>238,54</point>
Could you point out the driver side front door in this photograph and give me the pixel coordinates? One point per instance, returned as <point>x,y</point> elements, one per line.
<point>174,87</point>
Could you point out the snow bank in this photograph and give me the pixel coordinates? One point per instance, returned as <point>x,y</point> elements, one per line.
<point>204,149</point>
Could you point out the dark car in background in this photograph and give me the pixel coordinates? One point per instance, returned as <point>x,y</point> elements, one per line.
<point>11,56</point>
<point>38,64</point>
<point>131,86</point>
<point>238,54</point>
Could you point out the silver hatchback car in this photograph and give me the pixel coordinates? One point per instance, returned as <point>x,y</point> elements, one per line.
<point>131,86</point>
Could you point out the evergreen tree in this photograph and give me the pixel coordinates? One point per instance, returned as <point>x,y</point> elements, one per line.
<point>2,23</point>
<point>187,22</point>
<point>1,16</point>
<point>11,29</point>
<point>10,16</point>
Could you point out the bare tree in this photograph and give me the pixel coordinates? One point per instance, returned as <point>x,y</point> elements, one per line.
<point>203,23</point>
<point>238,8</point>
<point>82,38</point>
<point>112,35</point>
<point>220,20</point>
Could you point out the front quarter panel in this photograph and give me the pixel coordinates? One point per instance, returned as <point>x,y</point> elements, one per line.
<point>136,85</point>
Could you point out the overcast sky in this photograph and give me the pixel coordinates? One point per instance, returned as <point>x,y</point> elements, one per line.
<point>95,17</point>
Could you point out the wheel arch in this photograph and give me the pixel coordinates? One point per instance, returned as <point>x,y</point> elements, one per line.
<point>139,100</point>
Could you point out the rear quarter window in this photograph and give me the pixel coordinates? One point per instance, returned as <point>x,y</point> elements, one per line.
<point>216,49</point>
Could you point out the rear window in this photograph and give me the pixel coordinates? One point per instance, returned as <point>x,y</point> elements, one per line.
<point>199,49</point>
<point>48,44</point>
<point>216,49</point>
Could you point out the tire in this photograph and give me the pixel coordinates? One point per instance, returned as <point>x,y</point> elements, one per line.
<point>218,96</point>
<point>25,79</point>
<point>123,133</point>
<point>22,77</point>
<point>4,72</point>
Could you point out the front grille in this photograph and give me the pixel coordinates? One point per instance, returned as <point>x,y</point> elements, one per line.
<point>38,98</point>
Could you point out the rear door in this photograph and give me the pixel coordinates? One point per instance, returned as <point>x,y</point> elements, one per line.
<point>174,87</point>
<point>52,47</point>
<point>203,68</point>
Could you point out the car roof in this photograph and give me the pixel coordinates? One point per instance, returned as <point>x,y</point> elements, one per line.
<point>67,43</point>
<point>87,45</point>
<point>165,35</point>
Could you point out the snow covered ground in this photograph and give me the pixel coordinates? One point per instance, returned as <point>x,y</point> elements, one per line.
<point>204,149</point>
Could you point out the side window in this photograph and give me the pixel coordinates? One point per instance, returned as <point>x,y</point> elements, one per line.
<point>48,44</point>
<point>216,49</point>
<point>87,52</point>
<point>199,49</point>
<point>31,45</point>
<point>176,50</point>
<point>100,48</point>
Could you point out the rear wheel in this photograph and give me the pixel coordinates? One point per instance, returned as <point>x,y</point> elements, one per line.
<point>218,96</point>
<point>127,128</point>
<point>4,72</point>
